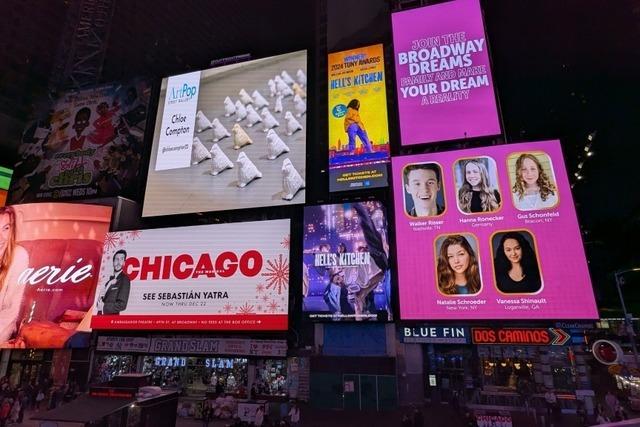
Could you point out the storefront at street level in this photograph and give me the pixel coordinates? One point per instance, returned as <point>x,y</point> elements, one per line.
<point>199,367</point>
<point>56,367</point>
<point>449,363</point>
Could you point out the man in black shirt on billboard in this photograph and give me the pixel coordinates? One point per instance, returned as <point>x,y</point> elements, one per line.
<point>114,296</point>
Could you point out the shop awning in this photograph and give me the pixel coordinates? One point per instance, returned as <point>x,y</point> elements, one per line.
<point>85,409</point>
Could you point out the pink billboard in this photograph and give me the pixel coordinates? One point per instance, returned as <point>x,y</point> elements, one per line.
<point>489,233</point>
<point>443,74</point>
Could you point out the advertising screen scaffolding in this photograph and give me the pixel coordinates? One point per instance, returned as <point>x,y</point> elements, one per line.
<point>209,277</point>
<point>489,233</point>
<point>443,74</point>
<point>230,137</point>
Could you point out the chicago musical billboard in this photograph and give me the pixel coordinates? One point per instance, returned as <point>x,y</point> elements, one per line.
<point>225,276</point>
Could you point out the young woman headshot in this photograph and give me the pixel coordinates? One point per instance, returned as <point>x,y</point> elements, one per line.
<point>457,267</point>
<point>515,264</point>
<point>477,194</point>
<point>14,259</point>
<point>532,188</point>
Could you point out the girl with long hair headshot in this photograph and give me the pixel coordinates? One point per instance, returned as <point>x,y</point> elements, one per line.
<point>476,193</point>
<point>533,189</point>
<point>458,271</point>
<point>14,259</point>
<point>515,265</point>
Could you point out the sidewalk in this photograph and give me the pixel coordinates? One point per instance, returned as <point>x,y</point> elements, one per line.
<point>434,416</point>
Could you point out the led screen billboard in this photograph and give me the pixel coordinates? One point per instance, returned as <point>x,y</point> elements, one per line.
<point>489,233</point>
<point>53,253</point>
<point>209,277</point>
<point>346,270</point>
<point>358,126</point>
<point>230,137</point>
<point>443,74</point>
<point>5,180</point>
<point>90,145</point>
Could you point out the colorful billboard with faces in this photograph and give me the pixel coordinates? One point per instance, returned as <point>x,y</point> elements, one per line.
<point>346,270</point>
<point>210,277</point>
<point>49,259</point>
<point>489,233</point>
<point>443,73</point>
<point>230,137</point>
<point>89,146</point>
<point>358,126</point>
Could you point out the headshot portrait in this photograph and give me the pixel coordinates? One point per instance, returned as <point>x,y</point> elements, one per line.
<point>423,190</point>
<point>515,262</point>
<point>458,265</point>
<point>477,185</point>
<point>114,295</point>
<point>533,181</point>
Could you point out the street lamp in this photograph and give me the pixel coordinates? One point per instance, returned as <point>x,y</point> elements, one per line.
<point>629,326</point>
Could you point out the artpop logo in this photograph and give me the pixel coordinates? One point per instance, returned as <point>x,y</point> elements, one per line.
<point>182,93</point>
<point>184,266</point>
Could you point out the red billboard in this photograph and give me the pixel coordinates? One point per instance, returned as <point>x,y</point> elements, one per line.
<point>49,259</point>
<point>208,277</point>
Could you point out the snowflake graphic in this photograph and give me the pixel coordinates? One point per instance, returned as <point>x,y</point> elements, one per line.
<point>260,288</point>
<point>286,241</point>
<point>259,308</point>
<point>273,307</point>
<point>246,309</point>
<point>277,274</point>
<point>227,308</point>
<point>265,298</point>
<point>111,240</point>
<point>134,234</point>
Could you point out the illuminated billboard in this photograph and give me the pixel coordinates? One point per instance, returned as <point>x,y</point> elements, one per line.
<point>230,137</point>
<point>90,145</point>
<point>489,233</point>
<point>346,269</point>
<point>53,253</point>
<point>209,277</point>
<point>358,126</point>
<point>443,73</point>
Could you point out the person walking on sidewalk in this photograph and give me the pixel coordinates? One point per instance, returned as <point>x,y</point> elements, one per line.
<point>294,415</point>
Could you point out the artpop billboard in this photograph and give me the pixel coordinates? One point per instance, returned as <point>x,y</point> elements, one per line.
<point>443,74</point>
<point>358,126</point>
<point>489,233</point>
<point>90,145</point>
<point>346,270</point>
<point>53,253</point>
<point>224,276</point>
<point>230,137</point>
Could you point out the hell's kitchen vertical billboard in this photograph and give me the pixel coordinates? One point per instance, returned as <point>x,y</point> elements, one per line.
<point>223,277</point>
<point>49,259</point>
<point>358,126</point>
<point>443,74</point>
